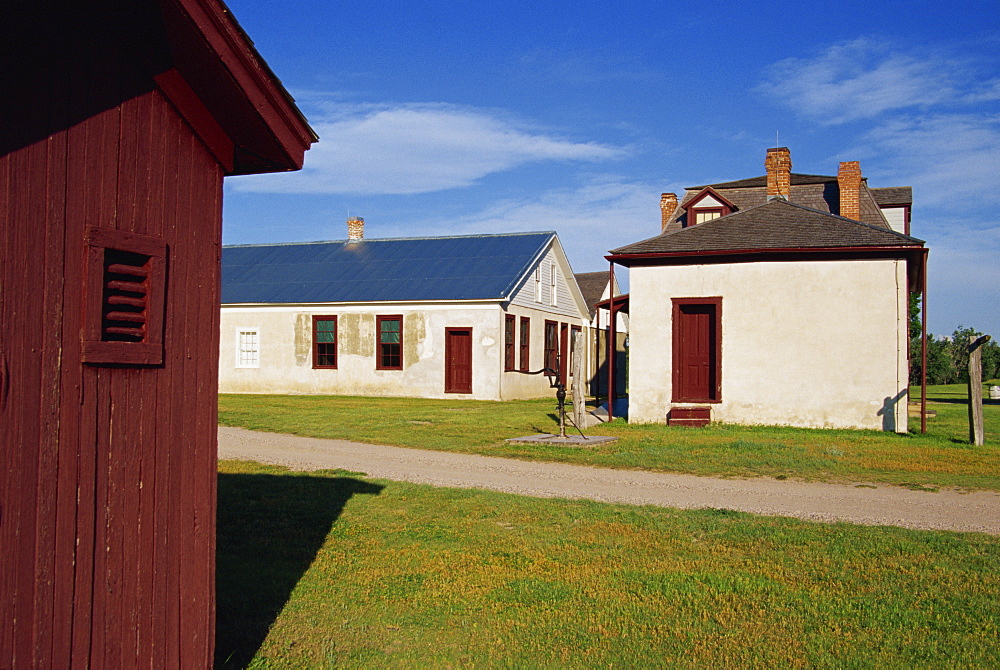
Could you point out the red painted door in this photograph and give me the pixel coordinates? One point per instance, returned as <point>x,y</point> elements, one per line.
<point>458,360</point>
<point>696,351</point>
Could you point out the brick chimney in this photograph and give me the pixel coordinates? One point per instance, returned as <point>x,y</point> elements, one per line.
<point>355,228</point>
<point>668,205</point>
<point>778,164</point>
<point>849,181</point>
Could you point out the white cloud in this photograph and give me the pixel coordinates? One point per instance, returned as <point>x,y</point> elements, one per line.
<point>931,116</point>
<point>600,215</point>
<point>964,285</point>
<point>418,148</point>
<point>864,79</point>
<point>947,158</point>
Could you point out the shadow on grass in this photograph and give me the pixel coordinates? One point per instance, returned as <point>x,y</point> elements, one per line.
<point>270,528</point>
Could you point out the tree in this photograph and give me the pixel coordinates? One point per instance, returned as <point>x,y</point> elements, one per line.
<point>948,357</point>
<point>940,361</point>
<point>991,360</point>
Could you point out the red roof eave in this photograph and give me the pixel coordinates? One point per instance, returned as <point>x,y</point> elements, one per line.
<point>915,270</point>
<point>617,258</point>
<point>276,128</point>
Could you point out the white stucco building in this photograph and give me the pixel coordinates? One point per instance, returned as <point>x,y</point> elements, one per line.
<point>752,307</point>
<point>431,317</point>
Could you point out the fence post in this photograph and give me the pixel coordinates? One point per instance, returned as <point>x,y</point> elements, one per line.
<point>976,436</point>
<point>579,400</point>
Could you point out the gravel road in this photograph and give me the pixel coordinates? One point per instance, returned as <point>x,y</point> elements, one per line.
<point>876,505</point>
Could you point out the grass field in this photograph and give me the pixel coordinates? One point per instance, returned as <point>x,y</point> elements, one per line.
<point>331,570</point>
<point>943,457</point>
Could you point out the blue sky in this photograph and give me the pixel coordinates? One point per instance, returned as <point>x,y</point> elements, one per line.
<point>461,117</point>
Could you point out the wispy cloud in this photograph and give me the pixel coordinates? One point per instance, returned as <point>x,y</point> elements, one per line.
<point>963,271</point>
<point>419,148</point>
<point>945,157</point>
<point>604,213</point>
<point>865,78</point>
<point>931,116</point>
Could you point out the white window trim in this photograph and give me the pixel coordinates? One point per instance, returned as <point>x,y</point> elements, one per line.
<point>255,362</point>
<point>538,283</point>
<point>553,289</point>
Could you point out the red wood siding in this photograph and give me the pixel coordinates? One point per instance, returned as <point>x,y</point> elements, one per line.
<point>697,349</point>
<point>108,495</point>
<point>458,360</point>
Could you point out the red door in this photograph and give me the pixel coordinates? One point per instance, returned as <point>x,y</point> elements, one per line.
<point>458,360</point>
<point>696,352</point>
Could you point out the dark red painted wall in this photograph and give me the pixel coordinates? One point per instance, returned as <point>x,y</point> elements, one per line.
<point>107,524</point>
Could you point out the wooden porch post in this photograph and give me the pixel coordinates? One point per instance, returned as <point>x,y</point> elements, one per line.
<point>612,336</point>
<point>923,346</point>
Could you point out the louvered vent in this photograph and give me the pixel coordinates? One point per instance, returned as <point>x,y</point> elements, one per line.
<point>126,296</point>
<point>124,299</point>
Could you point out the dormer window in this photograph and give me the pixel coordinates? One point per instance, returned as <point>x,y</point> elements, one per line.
<point>703,214</point>
<point>706,205</point>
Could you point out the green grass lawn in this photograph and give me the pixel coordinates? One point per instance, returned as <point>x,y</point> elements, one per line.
<point>942,457</point>
<point>331,570</point>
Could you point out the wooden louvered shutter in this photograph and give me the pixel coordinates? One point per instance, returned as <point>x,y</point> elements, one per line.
<point>124,298</point>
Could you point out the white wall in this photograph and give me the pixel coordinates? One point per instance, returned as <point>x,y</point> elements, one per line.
<point>816,344</point>
<point>286,350</point>
<point>896,216</point>
<point>518,385</point>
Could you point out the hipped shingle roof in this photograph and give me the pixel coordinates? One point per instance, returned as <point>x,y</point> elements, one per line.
<point>775,225</point>
<point>819,192</point>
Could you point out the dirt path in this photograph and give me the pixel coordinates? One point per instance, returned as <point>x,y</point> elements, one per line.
<point>864,504</point>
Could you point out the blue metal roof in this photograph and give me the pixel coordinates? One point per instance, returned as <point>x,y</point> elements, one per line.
<point>475,267</point>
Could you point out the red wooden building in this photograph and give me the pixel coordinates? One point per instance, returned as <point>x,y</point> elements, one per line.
<point>118,122</point>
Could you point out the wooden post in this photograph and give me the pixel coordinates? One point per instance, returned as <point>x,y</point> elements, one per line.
<point>976,389</point>
<point>612,345</point>
<point>923,344</point>
<point>579,399</point>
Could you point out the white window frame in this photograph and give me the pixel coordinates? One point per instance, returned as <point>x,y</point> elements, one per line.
<point>553,289</point>
<point>538,283</point>
<point>252,359</point>
<point>704,215</point>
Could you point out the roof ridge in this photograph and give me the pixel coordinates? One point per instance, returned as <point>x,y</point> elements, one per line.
<point>743,183</point>
<point>392,239</point>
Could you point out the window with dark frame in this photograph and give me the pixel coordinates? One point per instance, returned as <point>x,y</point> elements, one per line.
<point>509,325</point>
<point>325,342</point>
<point>390,342</point>
<point>552,345</point>
<point>525,342</point>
